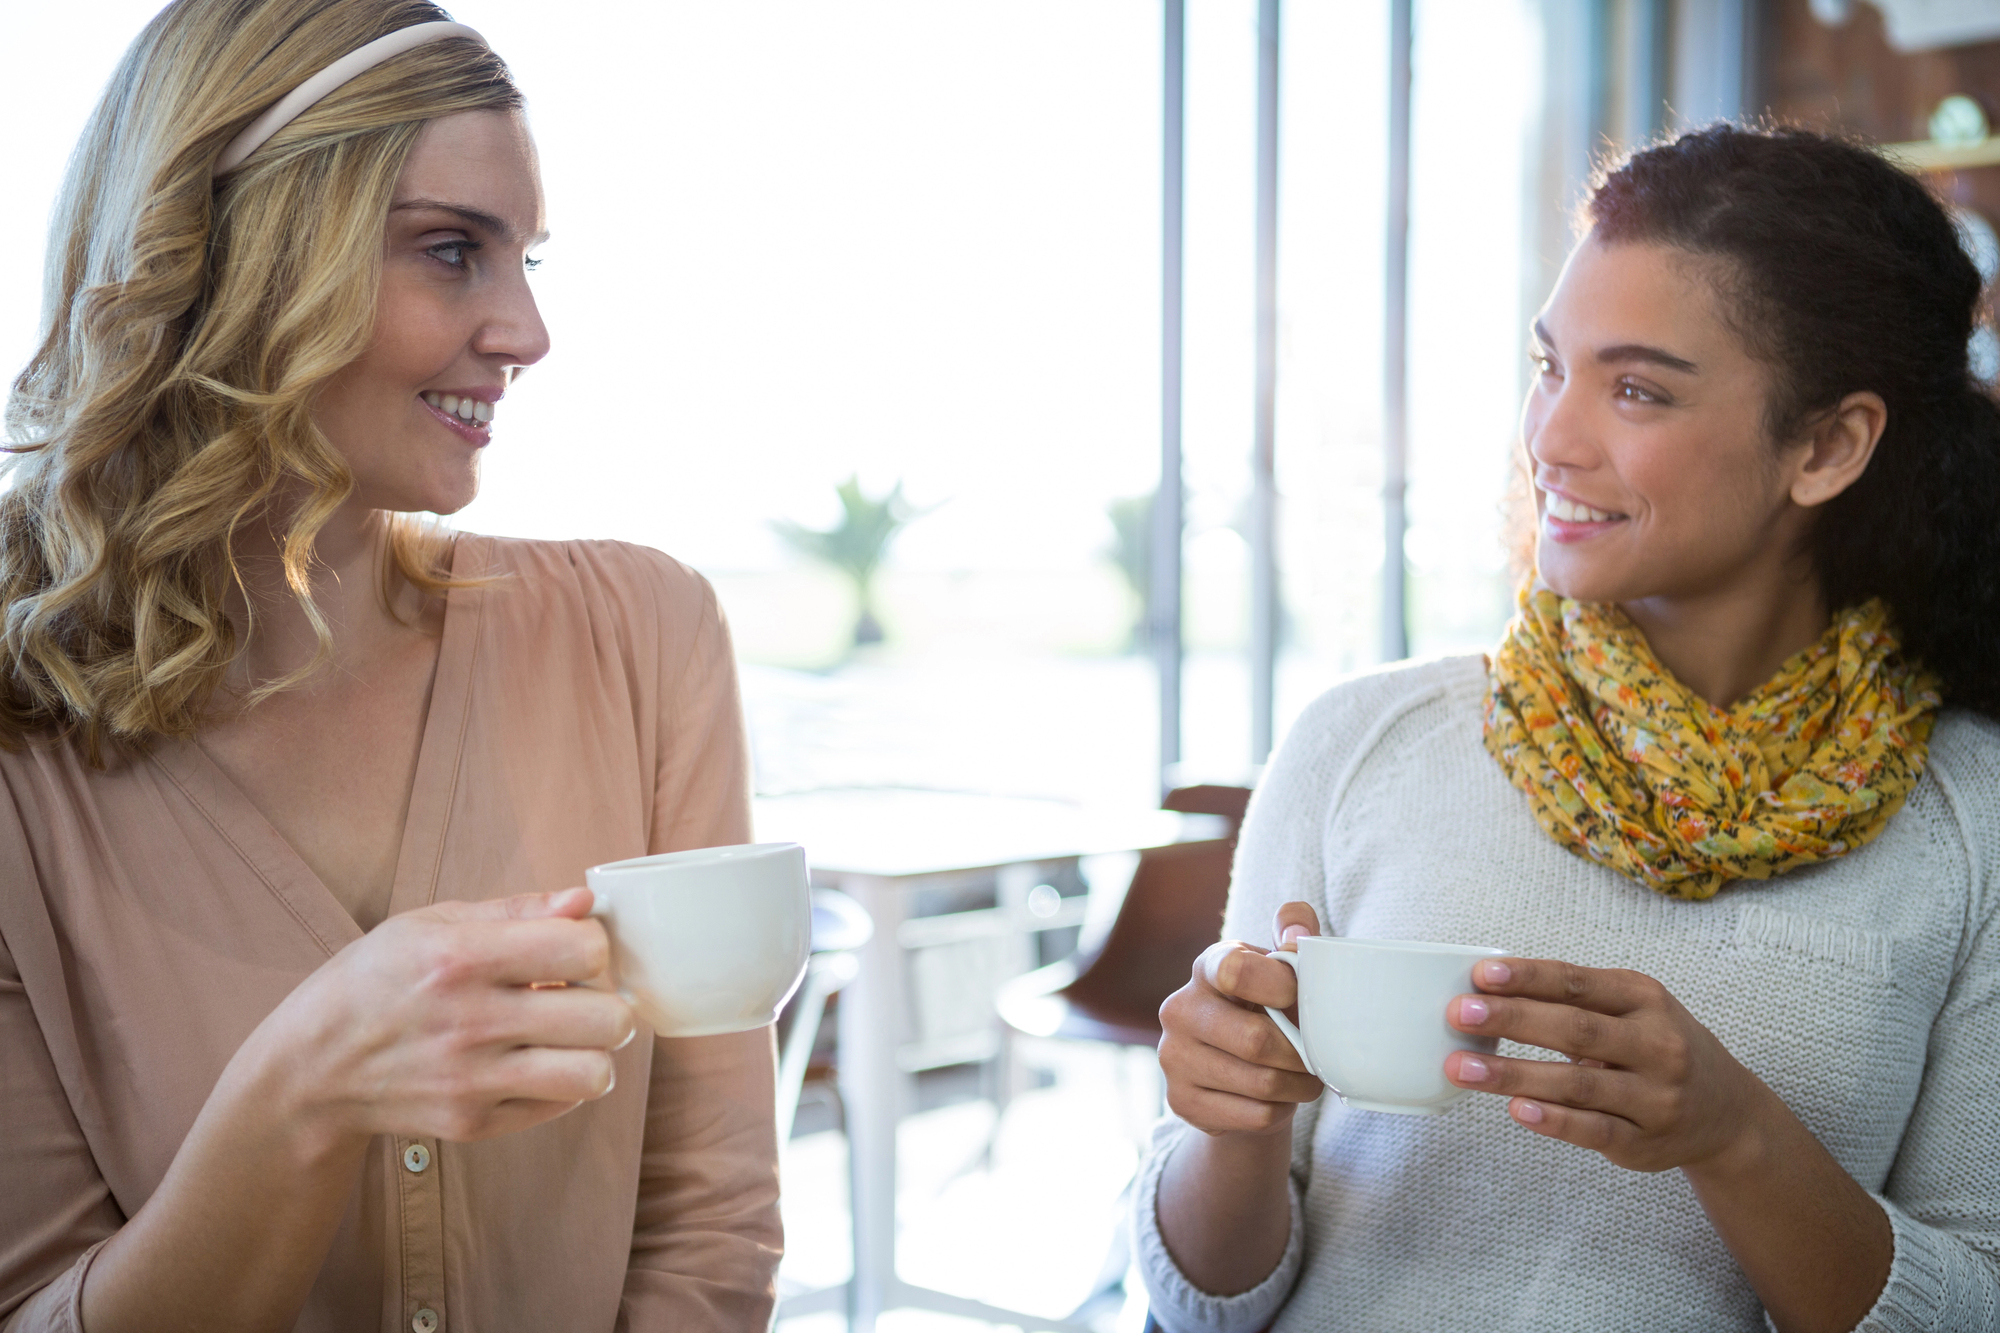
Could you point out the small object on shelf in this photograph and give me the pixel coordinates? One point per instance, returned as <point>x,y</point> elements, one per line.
<point>1958,122</point>
<point>1982,352</point>
<point>1981,244</point>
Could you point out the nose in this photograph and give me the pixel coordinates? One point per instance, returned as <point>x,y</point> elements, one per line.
<point>1556,428</point>
<point>513,331</point>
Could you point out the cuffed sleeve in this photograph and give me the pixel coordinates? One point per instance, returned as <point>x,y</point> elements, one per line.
<point>1943,1195</point>
<point>1937,1284</point>
<point>58,1307</point>
<point>1179,1305</point>
<point>1280,858</point>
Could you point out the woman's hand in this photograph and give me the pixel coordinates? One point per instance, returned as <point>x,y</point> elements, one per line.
<point>434,1024</point>
<point>1646,1085</point>
<point>1231,1074</point>
<point>426,1027</point>
<point>1652,1089</point>
<point>1228,1068</point>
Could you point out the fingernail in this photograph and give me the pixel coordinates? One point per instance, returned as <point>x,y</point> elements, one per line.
<point>1497,974</point>
<point>1290,933</point>
<point>1528,1113</point>
<point>1472,1069</point>
<point>1472,1010</point>
<point>610,1085</point>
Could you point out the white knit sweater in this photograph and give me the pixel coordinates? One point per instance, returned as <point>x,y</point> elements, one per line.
<point>1865,991</point>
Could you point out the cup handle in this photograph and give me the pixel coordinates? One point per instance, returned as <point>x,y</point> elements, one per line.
<point>1292,1034</point>
<point>600,906</point>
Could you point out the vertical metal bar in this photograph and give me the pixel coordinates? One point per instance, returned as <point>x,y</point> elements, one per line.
<point>1395,340</point>
<point>1163,612</point>
<point>1735,44</point>
<point>1659,43</point>
<point>1597,74</point>
<point>1264,603</point>
<point>1749,89</point>
<point>1646,72</point>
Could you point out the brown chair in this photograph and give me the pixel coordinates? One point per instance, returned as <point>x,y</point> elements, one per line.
<point>1171,912</point>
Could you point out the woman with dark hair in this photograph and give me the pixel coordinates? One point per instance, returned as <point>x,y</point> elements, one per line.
<point>1729,788</point>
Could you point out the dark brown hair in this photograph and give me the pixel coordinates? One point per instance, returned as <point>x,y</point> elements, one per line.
<point>1843,274</point>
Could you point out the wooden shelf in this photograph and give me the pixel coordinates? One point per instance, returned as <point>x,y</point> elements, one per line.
<point>1929,155</point>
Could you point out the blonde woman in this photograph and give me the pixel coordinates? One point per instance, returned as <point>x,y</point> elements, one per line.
<point>289,782</point>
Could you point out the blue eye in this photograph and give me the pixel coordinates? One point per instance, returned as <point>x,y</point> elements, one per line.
<point>531,264</point>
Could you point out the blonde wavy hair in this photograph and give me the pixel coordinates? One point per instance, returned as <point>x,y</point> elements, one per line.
<point>187,327</point>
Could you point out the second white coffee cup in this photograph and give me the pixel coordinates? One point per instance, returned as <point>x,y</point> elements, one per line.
<point>708,941</point>
<point>1372,1019</point>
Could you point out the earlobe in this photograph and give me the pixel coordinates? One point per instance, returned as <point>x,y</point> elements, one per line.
<point>1840,446</point>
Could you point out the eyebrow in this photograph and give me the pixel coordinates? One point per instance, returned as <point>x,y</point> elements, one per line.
<point>1624,352</point>
<point>477,217</point>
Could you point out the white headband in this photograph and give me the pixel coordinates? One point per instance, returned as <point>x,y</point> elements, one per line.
<point>355,62</point>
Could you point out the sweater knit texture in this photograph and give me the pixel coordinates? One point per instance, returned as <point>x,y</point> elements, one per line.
<point>1864,990</point>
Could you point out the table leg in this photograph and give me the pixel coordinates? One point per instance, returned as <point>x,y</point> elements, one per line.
<point>872,1011</point>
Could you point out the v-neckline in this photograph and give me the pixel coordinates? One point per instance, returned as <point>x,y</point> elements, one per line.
<point>420,854</point>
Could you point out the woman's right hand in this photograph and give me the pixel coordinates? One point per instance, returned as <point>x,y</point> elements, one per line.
<point>425,1027</point>
<point>431,1026</point>
<point>1229,1070</point>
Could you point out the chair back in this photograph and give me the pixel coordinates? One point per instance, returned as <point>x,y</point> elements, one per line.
<point>1171,912</point>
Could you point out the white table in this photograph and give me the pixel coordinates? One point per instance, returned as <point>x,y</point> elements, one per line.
<point>880,846</point>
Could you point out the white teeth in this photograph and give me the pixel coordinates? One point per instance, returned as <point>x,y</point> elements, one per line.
<point>465,409</point>
<point>1568,512</point>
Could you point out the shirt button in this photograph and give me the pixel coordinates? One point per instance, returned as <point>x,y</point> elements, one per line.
<point>426,1321</point>
<point>416,1157</point>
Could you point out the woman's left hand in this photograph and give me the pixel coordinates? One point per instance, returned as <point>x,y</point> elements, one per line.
<point>1646,1085</point>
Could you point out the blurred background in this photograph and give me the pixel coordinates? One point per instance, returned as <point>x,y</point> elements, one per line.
<point>858,307</point>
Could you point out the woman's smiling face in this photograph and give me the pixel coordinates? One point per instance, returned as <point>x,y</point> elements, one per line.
<point>1645,434</point>
<point>455,319</point>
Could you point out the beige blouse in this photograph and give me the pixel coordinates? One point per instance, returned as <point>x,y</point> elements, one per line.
<point>584,710</point>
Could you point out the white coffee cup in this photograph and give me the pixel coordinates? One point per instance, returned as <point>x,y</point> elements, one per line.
<point>708,941</point>
<point>1372,1019</point>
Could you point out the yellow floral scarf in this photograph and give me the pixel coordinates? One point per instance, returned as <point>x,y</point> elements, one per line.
<point>1626,766</point>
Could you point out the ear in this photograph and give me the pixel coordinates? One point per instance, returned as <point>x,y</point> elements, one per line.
<point>1837,448</point>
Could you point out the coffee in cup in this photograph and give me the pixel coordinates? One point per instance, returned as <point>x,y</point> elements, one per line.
<point>707,941</point>
<point>1372,1019</point>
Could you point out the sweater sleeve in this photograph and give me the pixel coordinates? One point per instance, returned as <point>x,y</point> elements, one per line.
<point>1943,1195</point>
<point>1280,858</point>
<point>706,1237</point>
